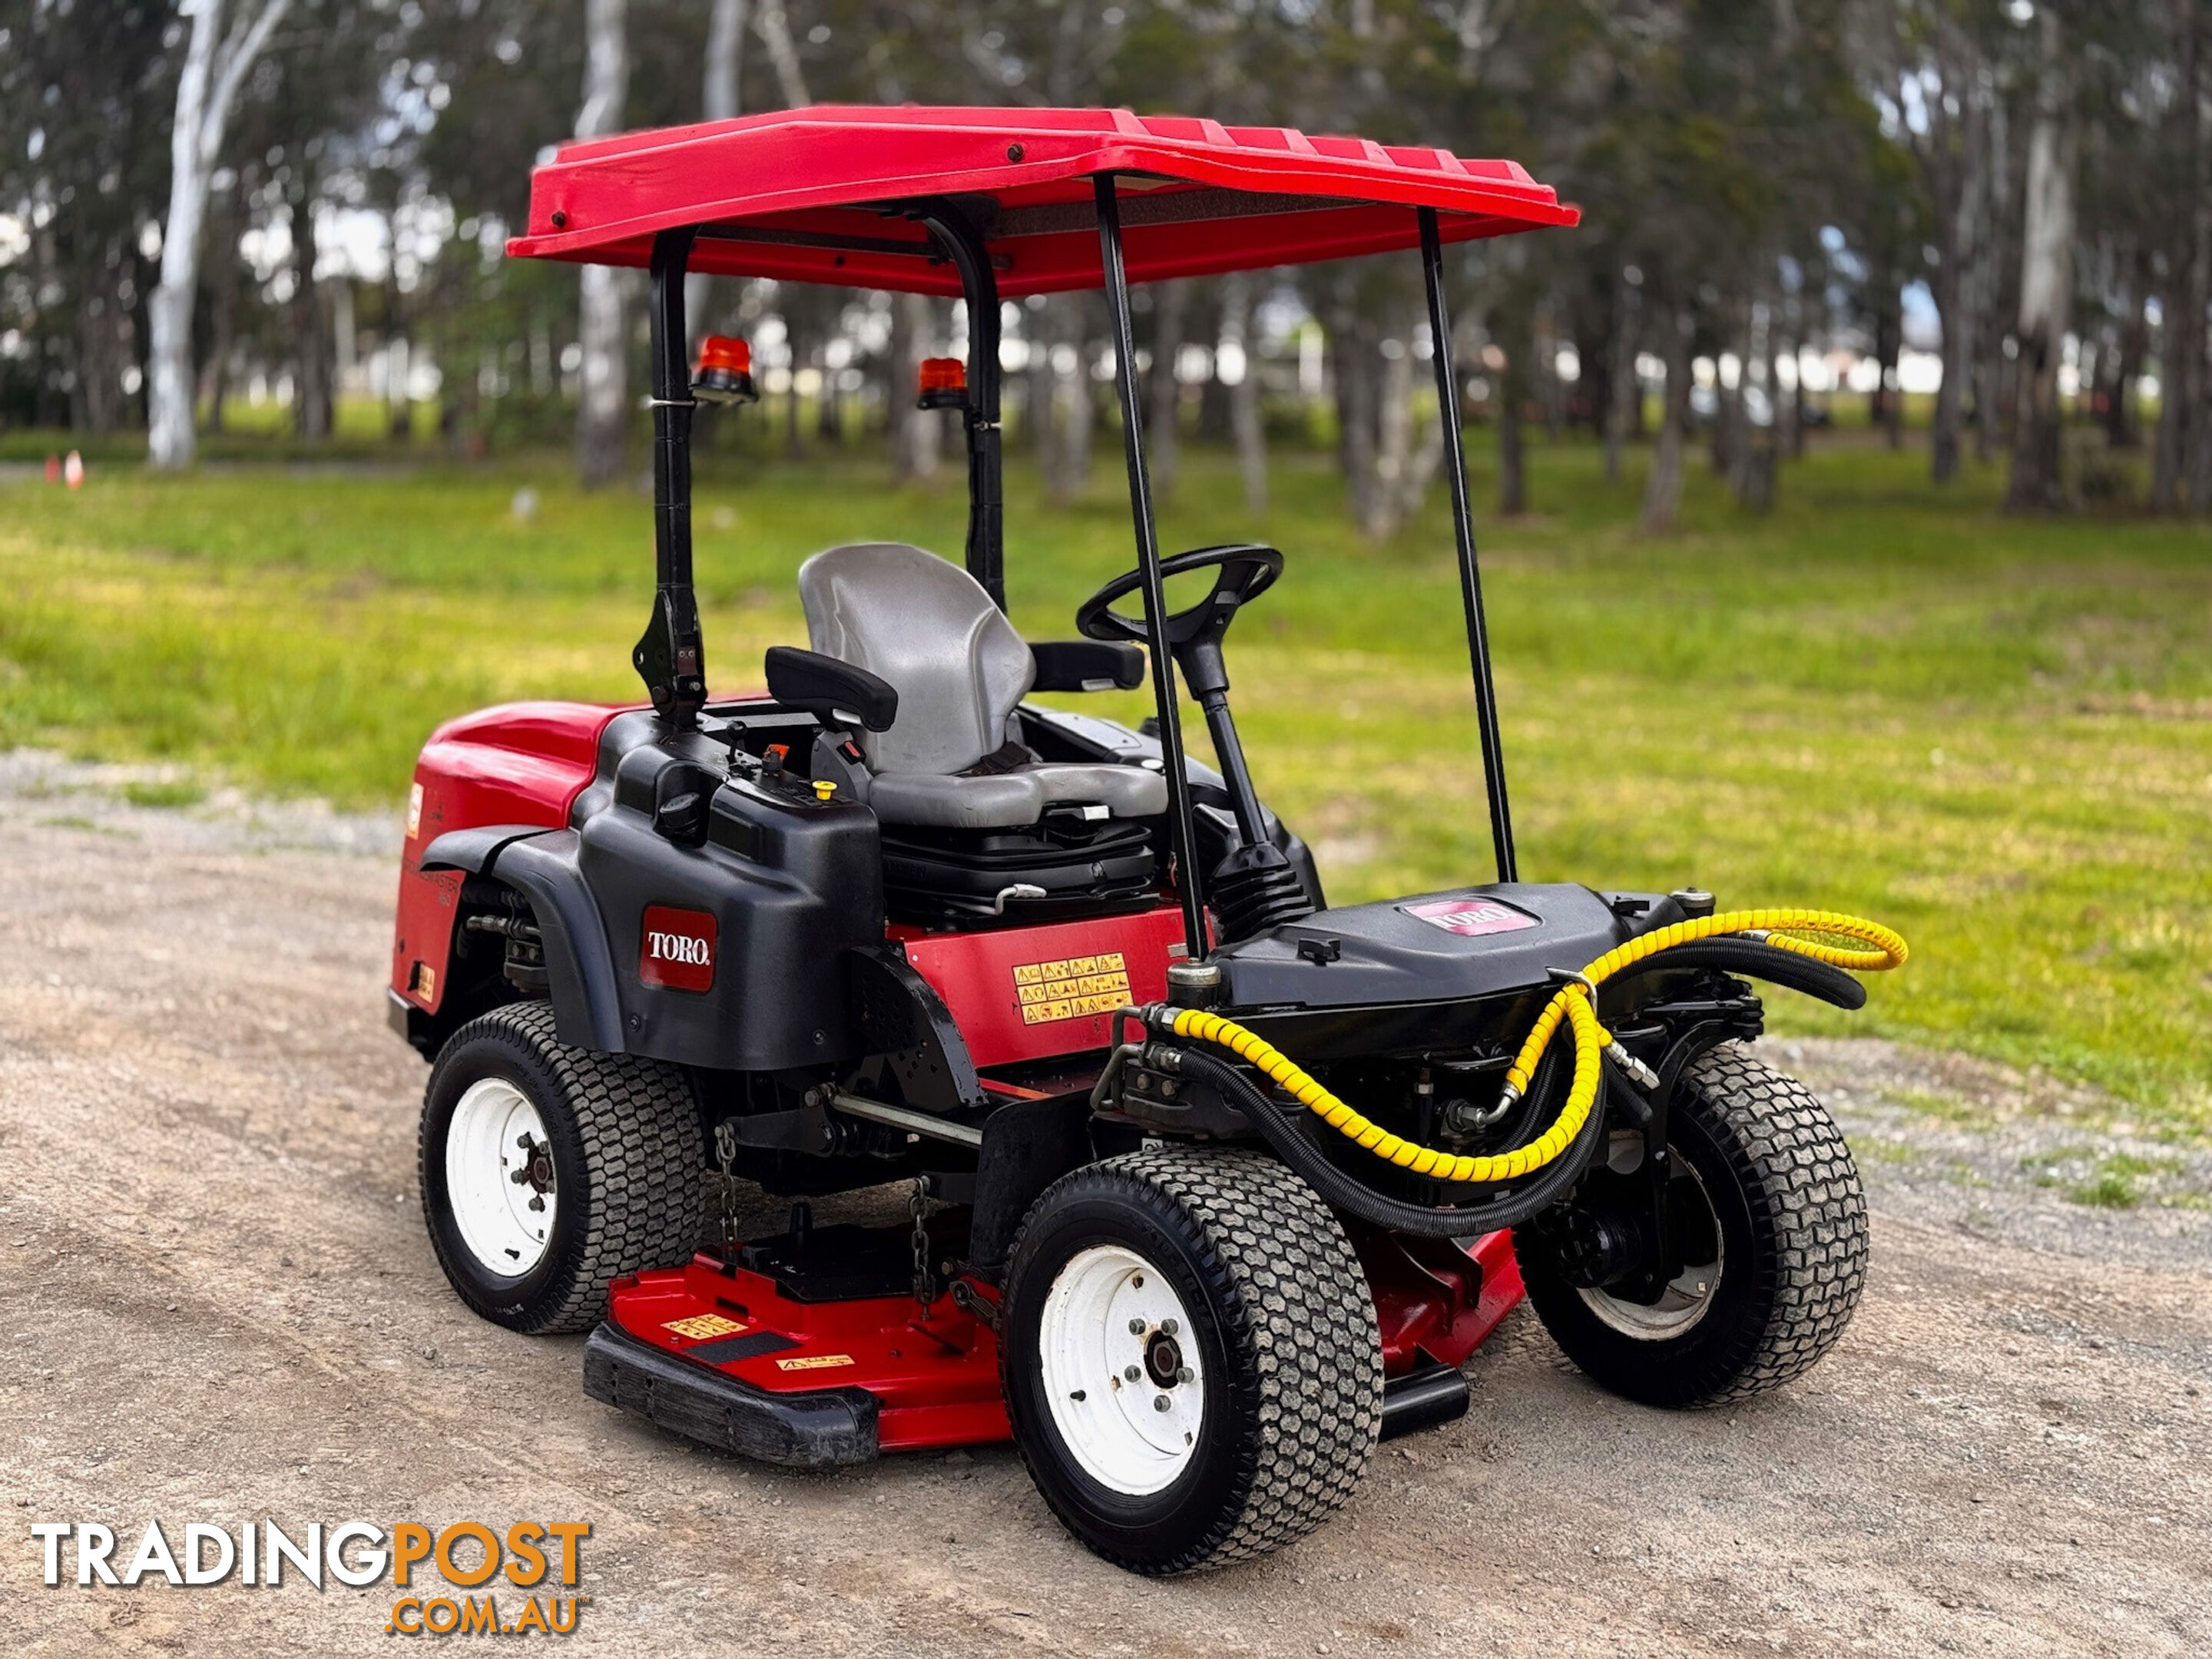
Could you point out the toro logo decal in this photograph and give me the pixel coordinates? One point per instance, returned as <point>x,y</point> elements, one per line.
<point>677,951</point>
<point>1471,917</point>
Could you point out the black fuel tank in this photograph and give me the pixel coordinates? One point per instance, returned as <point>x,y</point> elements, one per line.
<point>730,954</point>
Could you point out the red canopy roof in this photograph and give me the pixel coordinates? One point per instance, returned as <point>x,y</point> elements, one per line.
<point>815,194</point>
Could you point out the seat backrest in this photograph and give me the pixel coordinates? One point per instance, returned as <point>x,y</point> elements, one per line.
<point>928,628</point>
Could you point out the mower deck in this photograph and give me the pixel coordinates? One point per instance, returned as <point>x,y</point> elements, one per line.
<point>789,1354</point>
<point>728,1355</point>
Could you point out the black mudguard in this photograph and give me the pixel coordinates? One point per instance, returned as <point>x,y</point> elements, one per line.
<point>541,865</point>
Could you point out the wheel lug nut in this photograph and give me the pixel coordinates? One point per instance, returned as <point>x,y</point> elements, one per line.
<point>1184,1374</point>
<point>1133,1372</point>
<point>1160,1403</point>
<point>1136,1328</point>
<point>1169,1326</point>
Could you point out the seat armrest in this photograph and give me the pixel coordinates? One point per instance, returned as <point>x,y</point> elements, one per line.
<point>1087,665</point>
<point>836,693</point>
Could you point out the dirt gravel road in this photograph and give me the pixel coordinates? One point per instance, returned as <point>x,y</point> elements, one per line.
<point>216,1302</point>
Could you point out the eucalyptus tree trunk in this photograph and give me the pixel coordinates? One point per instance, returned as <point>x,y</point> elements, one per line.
<point>311,341</point>
<point>1887,403</point>
<point>1663,490</point>
<point>1065,399</point>
<point>718,101</point>
<point>2185,406</point>
<point>1355,374</point>
<point>1959,178</point>
<point>916,434</point>
<point>1622,390</point>
<point>215,65</point>
<point>726,59</point>
<point>602,320</point>
<point>1072,470</point>
<point>2046,282</point>
<point>1244,415</point>
<point>224,308</point>
<point>1162,439</point>
<point>775,29</point>
<point>2122,428</point>
<point>1513,389</point>
<point>1992,261</point>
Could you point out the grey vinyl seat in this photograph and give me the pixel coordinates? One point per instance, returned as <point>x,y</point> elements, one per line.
<point>928,627</point>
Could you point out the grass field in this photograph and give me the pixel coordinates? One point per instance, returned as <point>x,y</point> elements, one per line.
<point>1996,734</point>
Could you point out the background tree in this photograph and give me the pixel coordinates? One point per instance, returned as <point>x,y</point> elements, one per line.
<point>215,64</point>
<point>602,405</point>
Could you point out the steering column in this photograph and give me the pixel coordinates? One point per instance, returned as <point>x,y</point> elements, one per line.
<point>1255,887</point>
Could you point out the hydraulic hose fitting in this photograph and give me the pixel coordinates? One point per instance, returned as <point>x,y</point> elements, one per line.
<point>1194,984</point>
<point>1642,1075</point>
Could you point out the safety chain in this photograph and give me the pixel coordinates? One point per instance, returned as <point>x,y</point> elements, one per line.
<point>924,1276</point>
<point>725,1153</point>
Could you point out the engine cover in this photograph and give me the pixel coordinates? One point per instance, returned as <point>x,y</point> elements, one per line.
<point>1471,942</point>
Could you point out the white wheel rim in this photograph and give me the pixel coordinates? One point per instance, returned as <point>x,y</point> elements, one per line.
<point>1686,1299</point>
<point>498,1164</point>
<point>1109,1309</point>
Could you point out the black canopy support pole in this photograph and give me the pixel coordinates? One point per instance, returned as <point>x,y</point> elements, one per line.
<point>1148,562</point>
<point>1470,576</point>
<point>671,657</point>
<point>979,286</point>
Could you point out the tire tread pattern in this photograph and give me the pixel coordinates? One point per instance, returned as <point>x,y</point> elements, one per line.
<point>639,1123</point>
<point>1789,1149</point>
<point>1304,1313</point>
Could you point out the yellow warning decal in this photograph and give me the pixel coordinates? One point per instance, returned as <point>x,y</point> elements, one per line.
<point>1072,988</point>
<point>814,1361</point>
<point>700,1327</point>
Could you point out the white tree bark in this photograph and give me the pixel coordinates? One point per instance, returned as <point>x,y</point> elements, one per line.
<point>718,101</point>
<point>775,34</point>
<point>1237,331</point>
<point>602,409</point>
<point>726,58</point>
<point>1170,304</point>
<point>916,435</point>
<point>214,66</point>
<point>2046,279</point>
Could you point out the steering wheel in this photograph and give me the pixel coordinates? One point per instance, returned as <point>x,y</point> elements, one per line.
<point>1247,570</point>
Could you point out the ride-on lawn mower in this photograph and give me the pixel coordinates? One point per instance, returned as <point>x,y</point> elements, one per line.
<point>1211,1185</point>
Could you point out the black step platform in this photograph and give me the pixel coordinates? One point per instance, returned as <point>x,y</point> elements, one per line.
<point>820,1428</point>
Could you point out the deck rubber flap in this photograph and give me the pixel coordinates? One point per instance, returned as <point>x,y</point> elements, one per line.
<point>818,1429</point>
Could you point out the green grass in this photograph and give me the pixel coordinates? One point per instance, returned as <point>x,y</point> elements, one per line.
<point>2113,1180</point>
<point>176,792</point>
<point>1994,733</point>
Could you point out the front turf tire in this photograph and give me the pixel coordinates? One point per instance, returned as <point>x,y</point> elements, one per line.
<point>627,1154</point>
<point>1793,1246</point>
<point>1277,1333</point>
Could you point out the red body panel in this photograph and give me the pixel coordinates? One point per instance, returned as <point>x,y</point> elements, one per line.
<point>807,184</point>
<point>521,762</point>
<point>1029,993</point>
<point>935,1375</point>
<point>1435,1299</point>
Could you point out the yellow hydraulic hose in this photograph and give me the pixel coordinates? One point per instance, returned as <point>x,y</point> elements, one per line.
<point>1808,932</point>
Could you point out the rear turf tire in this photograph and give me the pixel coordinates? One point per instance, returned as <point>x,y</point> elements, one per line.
<point>1283,1399</point>
<point>621,1136</point>
<point>1792,1248</point>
